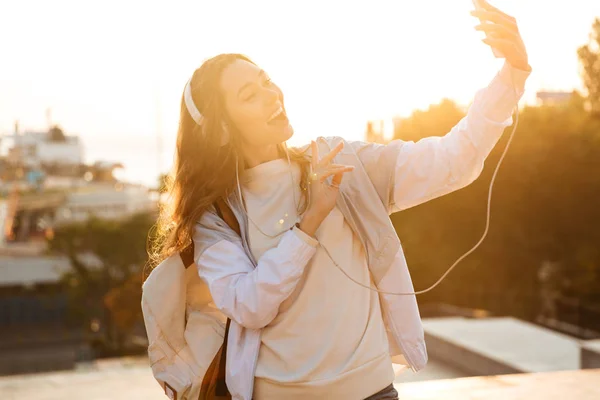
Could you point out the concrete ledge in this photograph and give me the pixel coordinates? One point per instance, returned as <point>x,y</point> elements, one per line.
<point>580,385</point>
<point>495,346</point>
<point>590,354</point>
<point>472,362</point>
<point>37,360</point>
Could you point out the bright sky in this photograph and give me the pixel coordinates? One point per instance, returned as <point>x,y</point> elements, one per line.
<point>113,71</point>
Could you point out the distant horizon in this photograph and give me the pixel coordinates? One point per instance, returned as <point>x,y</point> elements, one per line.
<point>110,149</point>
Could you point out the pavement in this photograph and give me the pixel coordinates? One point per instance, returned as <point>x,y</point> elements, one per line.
<point>131,379</point>
<point>562,385</point>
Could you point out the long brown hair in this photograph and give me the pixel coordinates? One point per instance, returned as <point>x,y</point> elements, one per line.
<point>203,172</point>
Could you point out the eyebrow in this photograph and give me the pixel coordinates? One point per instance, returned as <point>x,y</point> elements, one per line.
<point>261,74</point>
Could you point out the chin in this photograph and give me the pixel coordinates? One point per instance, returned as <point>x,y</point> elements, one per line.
<point>289,132</point>
<point>285,134</point>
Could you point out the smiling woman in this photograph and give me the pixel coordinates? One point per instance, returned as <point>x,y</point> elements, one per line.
<point>242,123</point>
<point>286,240</point>
<point>256,108</point>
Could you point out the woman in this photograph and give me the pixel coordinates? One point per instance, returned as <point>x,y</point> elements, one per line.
<point>307,283</point>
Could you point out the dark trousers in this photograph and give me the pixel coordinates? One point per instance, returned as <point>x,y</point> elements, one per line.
<point>389,393</point>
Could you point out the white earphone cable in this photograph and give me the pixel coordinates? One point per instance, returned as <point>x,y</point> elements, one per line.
<point>487,222</point>
<point>451,268</point>
<point>487,227</point>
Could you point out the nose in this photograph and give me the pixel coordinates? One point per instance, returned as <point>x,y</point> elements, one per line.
<point>272,96</point>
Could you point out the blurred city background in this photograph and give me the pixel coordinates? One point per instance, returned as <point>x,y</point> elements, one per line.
<point>89,99</point>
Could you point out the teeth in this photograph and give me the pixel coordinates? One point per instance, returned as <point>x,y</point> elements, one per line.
<point>276,113</point>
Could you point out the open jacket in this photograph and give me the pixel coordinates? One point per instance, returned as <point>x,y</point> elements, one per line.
<point>386,179</point>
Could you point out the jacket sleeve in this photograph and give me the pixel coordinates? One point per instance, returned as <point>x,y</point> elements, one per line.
<point>407,173</point>
<point>252,296</point>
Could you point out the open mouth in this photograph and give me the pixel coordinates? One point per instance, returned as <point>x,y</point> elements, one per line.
<point>278,117</point>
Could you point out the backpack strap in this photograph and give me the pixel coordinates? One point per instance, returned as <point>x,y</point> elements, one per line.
<point>187,255</point>
<point>221,388</point>
<point>226,215</point>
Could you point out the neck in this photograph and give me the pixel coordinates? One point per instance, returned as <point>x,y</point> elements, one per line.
<point>257,155</point>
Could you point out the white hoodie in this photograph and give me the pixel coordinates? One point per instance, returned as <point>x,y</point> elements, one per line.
<point>328,339</point>
<point>251,291</point>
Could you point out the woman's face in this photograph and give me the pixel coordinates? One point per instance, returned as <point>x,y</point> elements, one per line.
<point>255,104</point>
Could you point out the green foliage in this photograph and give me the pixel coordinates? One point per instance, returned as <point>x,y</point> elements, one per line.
<point>544,203</point>
<point>107,287</point>
<point>435,121</point>
<point>56,134</point>
<point>589,57</point>
<point>544,209</point>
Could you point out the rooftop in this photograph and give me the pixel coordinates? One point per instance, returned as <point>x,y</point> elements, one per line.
<point>30,270</point>
<point>131,379</point>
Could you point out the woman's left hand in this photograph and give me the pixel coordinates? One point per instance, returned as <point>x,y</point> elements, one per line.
<point>502,33</point>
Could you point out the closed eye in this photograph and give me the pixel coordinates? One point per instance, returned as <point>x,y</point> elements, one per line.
<point>267,82</point>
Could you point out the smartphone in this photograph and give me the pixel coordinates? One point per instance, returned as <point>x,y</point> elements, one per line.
<point>478,6</point>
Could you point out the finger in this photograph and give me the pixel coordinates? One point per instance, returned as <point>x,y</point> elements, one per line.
<point>315,154</point>
<point>496,18</point>
<point>330,171</point>
<point>504,45</point>
<point>336,181</point>
<point>496,30</point>
<point>513,53</point>
<point>328,157</point>
<point>339,166</point>
<point>500,44</point>
<point>491,8</point>
<point>317,174</point>
<point>334,171</point>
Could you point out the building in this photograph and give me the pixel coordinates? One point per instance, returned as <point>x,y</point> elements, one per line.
<point>29,217</point>
<point>107,201</point>
<point>47,148</point>
<point>44,182</point>
<point>551,98</point>
<point>35,330</point>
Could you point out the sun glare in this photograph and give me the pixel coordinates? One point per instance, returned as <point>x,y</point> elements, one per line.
<point>117,70</point>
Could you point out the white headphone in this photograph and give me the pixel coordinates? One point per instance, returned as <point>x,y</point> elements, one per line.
<point>195,113</point>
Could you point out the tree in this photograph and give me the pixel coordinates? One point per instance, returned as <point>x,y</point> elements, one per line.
<point>56,134</point>
<point>589,57</point>
<point>108,287</point>
<point>437,120</point>
<point>544,209</point>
